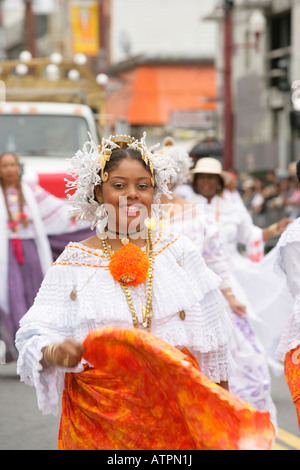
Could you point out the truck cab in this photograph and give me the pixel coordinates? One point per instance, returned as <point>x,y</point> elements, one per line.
<point>45,117</point>
<point>46,136</point>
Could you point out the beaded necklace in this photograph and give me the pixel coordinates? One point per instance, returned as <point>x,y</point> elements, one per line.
<point>146,309</point>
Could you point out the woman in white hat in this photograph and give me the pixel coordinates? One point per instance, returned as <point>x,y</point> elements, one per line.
<point>208,185</point>
<point>269,298</point>
<point>188,218</point>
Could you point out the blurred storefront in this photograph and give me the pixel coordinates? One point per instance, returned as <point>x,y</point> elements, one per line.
<point>163,93</point>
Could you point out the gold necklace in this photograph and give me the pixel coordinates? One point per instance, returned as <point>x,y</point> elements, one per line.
<point>146,309</point>
<point>75,291</point>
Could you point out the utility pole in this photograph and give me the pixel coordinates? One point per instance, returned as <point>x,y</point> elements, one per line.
<point>2,35</point>
<point>227,88</point>
<point>30,28</point>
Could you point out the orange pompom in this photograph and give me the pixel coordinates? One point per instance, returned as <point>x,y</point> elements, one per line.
<point>129,265</point>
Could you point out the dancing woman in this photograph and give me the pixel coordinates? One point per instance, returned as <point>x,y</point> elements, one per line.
<point>134,317</point>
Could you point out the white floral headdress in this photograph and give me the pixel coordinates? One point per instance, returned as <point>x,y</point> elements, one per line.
<point>88,171</point>
<point>181,159</point>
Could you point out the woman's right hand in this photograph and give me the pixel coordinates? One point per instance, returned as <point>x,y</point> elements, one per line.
<point>237,307</point>
<point>66,354</point>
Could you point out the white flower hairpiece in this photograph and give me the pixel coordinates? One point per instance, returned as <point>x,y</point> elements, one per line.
<point>181,159</point>
<point>88,171</point>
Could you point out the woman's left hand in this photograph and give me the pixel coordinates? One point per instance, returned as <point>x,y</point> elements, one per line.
<point>283,223</point>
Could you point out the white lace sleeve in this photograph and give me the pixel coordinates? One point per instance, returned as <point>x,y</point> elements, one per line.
<point>47,321</point>
<point>287,264</point>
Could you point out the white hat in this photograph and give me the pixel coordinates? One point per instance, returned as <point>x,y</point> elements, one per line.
<point>211,166</point>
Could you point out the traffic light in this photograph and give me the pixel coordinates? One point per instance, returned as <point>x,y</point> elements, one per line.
<point>295,120</point>
<point>229,4</point>
<point>283,81</point>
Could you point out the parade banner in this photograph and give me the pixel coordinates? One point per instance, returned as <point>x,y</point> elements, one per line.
<point>85,27</point>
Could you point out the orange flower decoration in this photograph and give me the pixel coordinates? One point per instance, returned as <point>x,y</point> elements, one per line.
<point>129,265</point>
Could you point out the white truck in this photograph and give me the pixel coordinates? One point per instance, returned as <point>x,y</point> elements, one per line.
<point>45,135</point>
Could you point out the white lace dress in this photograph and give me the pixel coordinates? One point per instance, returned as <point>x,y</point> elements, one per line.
<point>181,282</point>
<point>251,379</point>
<point>288,265</point>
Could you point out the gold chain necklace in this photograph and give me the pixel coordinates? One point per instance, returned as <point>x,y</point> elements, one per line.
<point>146,309</point>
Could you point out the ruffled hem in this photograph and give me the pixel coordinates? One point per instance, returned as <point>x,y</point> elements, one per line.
<point>171,386</point>
<point>45,381</point>
<point>48,383</point>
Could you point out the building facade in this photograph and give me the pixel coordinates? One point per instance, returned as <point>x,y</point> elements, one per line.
<point>265,80</point>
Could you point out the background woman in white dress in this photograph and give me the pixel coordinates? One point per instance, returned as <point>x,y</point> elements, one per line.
<point>287,265</point>
<point>251,380</point>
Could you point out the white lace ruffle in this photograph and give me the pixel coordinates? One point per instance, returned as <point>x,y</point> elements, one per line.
<point>290,235</point>
<point>289,340</point>
<point>181,282</point>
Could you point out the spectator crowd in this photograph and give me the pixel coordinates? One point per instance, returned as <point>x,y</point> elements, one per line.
<point>269,196</point>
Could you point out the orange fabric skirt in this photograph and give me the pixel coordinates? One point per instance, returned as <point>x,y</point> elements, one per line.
<point>292,376</point>
<point>143,394</point>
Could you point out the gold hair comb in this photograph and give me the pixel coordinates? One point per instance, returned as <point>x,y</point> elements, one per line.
<point>105,154</point>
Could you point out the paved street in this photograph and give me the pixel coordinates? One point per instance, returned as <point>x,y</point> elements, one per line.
<point>23,427</point>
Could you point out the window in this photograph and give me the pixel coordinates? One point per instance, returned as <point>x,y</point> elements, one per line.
<point>42,135</point>
<point>280,42</point>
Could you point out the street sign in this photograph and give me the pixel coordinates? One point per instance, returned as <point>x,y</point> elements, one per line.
<point>198,119</point>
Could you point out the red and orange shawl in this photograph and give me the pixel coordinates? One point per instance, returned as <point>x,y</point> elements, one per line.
<point>142,393</point>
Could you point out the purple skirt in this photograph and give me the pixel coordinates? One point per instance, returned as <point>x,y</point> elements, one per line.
<point>24,281</point>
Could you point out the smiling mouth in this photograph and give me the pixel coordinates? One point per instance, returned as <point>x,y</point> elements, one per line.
<point>131,209</point>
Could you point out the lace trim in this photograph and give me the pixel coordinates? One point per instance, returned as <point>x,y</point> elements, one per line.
<point>79,255</point>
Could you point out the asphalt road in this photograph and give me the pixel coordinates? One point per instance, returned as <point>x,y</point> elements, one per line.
<point>23,427</point>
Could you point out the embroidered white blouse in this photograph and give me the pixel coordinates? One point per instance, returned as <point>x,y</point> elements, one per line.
<point>287,264</point>
<point>181,282</point>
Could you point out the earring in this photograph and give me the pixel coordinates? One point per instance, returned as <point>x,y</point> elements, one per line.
<point>101,223</point>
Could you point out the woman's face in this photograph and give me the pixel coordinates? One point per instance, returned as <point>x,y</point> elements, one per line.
<point>9,169</point>
<point>127,195</point>
<point>207,184</point>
